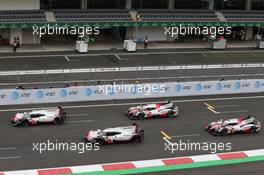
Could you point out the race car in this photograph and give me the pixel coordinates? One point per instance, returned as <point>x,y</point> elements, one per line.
<point>132,134</point>
<point>238,125</point>
<point>167,109</point>
<point>56,116</point>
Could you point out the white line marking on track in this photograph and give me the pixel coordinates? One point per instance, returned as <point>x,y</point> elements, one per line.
<point>213,110</point>
<point>15,157</point>
<point>140,102</point>
<point>204,55</point>
<point>189,135</point>
<point>226,106</point>
<point>77,115</point>
<point>252,54</point>
<point>11,148</point>
<point>67,59</point>
<point>228,112</point>
<point>80,121</point>
<point>118,57</point>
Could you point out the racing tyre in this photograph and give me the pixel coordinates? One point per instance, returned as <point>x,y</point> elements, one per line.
<point>99,141</point>
<point>141,116</point>
<point>24,123</point>
<point>64,116</point>
<point>136,140</point>
<point>170,114</point>
<point>224,132</point>
<point>142,135</point>
<point>253,130</point>
<point>58,121</point>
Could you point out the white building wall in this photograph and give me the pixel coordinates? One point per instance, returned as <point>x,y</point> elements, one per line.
<point>25,35</point>
<point>19,4</point>
<point>29,38</point>
<point>153,33</point>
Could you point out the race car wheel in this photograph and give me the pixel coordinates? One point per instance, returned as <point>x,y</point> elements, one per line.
<point>58,120</point>
<point>142,135</point>
<point>99,141</point>
<point>253,130</point>
<point>170,114</point>
<point>140,116</point>
<point>135,140</point>
<point>24,123</point>
<point>224,132</point>
<point>64,116</point>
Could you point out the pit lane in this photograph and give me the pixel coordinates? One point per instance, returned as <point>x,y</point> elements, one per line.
<point>146,58</point>
<point>193,117</point>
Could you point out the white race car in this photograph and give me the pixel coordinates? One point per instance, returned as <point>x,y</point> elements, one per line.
<point>133,134</point>
<point>57,116</point>
<point>237,125</point>
<point>167,109</point>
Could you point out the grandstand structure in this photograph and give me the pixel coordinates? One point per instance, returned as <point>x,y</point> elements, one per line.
<point>125,18</point>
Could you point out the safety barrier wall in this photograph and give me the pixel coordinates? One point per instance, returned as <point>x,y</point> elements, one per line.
<point>93,93</point>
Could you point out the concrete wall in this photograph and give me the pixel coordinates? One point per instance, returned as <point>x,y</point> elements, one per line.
<point>26,36</point>
<point>29,38</point>
<point>153,33</point>
<point>19,4</point>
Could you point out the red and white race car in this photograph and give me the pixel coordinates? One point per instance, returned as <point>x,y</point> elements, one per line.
<point>237,125</point>
<point>133,134</point>
<point>167,109</point>
<point>57,116</point>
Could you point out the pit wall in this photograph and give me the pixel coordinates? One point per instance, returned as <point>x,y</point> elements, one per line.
<point>95,93</point>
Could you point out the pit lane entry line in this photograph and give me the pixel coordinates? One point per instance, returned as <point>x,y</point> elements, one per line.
<point>190,135</point>
<point>67,58</point>
<point>5,158</point>
<point>165,135</point>
<point>212,108</point>
<point>10,148</point>
<point>208,105</point>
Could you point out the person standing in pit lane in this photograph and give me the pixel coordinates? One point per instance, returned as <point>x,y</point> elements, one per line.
<point>146,42</point>
<point>14,45</point>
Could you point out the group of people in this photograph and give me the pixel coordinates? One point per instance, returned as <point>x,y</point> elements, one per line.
<point>16,43</point>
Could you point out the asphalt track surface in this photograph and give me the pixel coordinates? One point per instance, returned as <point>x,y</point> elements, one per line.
<point>188,127</point>
<point>54,61</point>
<point>57,60</point>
